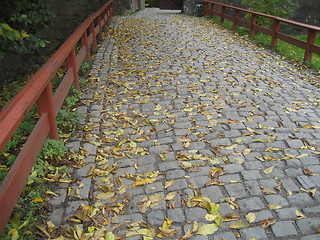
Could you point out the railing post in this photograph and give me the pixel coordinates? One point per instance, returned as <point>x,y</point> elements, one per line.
<point>94,43</point>
<point>85,43</point>
<point>276,29</point>
<point>236,18</point>
<point>100,27</point>
<point>45,105</point>
<point>223,10</point>
<point>310,41</point>
<point>72,63</point>
<point>211,10</point>
<point>252,25</point>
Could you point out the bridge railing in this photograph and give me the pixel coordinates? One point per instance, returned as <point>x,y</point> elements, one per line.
<point>218,9</point>
<point>39,91</point>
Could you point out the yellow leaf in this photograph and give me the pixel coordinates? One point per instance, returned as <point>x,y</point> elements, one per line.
<point>170,196</point>
<point>251,217</point>
<point>168,183</point>
<point>274,206</point>
<point>158,107</point>
<point>207,229</point>
<point>103,196</point>
<point>37,200</point>
<point>268,170</point>
<point>186,164</point>
<point>239,225</point>
<point>299,215</point>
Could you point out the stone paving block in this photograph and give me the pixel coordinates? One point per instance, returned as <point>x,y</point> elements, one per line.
<point>283,229</point>
<point>305,182</point>
<point>287,213</point>
<point>60,199</point>
<point>233,168</point>
<point>289,185</point>
<point>276,199</point>
<point>176,215</point>
<point>251,204</point>
<point>227,235</point>
<point>253,232</point>
<point>158,149</point>
<point>147,159</point>
<point>173,174</point>
<point>91,149</point>
<point>251,174</point>
<point>154,187</point>
<point>236,190</point>
<point>155,218</point>
<point>300,199</point>
<point>71,208</point>
<point>262,215</point>
<point>253,187</point>
<point>213,193</point>
<point>227,178</point>
<point>312,210</point>
<point>308,225</point>
<point>83,172</point>
<point>172,165</point>
<point>195,214</point>
<point>56,216</point>
<point>178,185</point>
<point>198,181</point>
<point>84,190</point>
<point>295,143</point>
<point>310,237</point>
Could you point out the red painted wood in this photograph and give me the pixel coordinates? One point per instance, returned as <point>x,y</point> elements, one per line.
<point>72,64</point>
<point>276,29</point>
<point>38,89</point>
<point>275,33</point>
<point>310,41</point>
<point>15,180</point>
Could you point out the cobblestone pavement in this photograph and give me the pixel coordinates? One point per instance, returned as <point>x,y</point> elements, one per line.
<point>181,114</point>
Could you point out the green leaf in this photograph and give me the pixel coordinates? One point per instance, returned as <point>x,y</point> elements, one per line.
<point>110,236</point>
<point>207,229</point>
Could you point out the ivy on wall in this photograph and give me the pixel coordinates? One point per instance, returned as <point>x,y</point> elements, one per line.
<point>20,24</point>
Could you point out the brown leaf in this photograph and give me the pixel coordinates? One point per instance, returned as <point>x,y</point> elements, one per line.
<point>231,216</point>
<point>267,222</point>
<point>307,171</point>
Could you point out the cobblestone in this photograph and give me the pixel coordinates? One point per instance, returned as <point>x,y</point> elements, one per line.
<point>181,99</point>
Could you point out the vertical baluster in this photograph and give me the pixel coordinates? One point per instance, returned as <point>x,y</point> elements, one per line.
<point>84,42</point>
<point>45,105</point>
<point>236,18</point>
<point>72,63</point>
<point>310,41</point>
<point>276,29</point>
<point>94,43</point>
<point>252,25</point>
<point>223,10</point>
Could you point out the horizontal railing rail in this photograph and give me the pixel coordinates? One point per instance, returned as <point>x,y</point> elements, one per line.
<point>218,9</point>
<point>39,91</point>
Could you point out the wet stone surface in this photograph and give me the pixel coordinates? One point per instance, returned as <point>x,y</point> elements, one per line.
<point>178,108</point>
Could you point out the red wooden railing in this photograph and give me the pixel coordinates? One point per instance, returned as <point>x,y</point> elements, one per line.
<point>38,90</point>
<point>218,9</point>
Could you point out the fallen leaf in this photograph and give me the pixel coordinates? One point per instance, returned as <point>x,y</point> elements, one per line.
<point>207,229</point>
<point>274,206</point>
<point>110,236</point>
<point>268,170</point>
<point>231,216</point>
<point>267,222</point>
<point>168,183</point>
<point>307,171</point>
<point>240,225</point>
<point>251,217</point>
<point>170,196</point>
<point>299,215</point>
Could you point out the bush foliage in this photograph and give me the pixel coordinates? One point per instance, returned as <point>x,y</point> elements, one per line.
<point>20,23</point>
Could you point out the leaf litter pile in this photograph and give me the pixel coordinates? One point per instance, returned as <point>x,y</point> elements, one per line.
<point>188,124</point>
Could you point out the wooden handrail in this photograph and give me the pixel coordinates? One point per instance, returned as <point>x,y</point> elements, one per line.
<point>38,91</point>
<point>308,46</point>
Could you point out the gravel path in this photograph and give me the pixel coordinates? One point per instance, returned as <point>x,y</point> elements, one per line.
<point>184,117</point>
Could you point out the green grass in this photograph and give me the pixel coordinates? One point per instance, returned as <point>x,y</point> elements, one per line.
<point>290,51</point>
